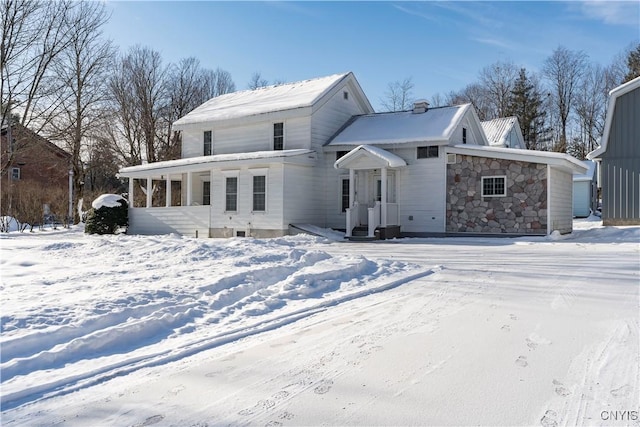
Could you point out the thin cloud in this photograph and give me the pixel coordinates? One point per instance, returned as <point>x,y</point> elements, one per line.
<point>494,42</point>
<point>612,12</point>
<point>416,13</point>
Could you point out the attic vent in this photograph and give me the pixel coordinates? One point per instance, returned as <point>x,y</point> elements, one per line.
<point>420,106</point>
<point>451,159</point>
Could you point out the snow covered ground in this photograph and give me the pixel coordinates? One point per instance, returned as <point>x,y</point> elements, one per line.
<point>166,330</point>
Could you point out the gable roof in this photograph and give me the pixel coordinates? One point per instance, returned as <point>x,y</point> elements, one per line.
<point>266,99</point>
<point>28,137</point>
<point>377,154</point>
<point>497,130</point>
<point>613,96</point>
<point>436,124</point>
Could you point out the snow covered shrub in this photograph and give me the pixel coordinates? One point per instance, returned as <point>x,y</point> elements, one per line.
<point>108,213</point>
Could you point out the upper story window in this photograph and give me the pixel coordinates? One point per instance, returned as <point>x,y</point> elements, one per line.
<point>15,174</point>
<point>345,95</point>
<point>464,135</point>
<point>207,143</point>
<point>494,186</point>
<point>278,136</point>
<point>340,154</point>
<point>428,152</point>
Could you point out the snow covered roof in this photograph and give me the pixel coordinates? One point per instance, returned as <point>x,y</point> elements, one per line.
<point>562,160</point>
<point>497,131</point>
<point>388,159</point>
<point>262,100</point>
<point>218,158</point>
<point>613,96</point>
<point>589,176</point>
<point>436,124</point>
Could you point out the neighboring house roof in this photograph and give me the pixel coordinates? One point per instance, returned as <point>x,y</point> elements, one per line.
<point>29,137</point>
<point>589,175</point>
<point>385,158</point>
<point>265,100</point>
<point>498,131</point>
<point>561,160</point>
<point>613,96</point>
<point>436,124</point>
<point>218,158</point>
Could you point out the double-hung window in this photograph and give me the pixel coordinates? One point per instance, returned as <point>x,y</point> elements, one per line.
<point>15,174</point>
<point>345,194</point>
<point>231,194</point>
<point>207,143</point>
<point>494,186</point>
<point>278,136</point>
<point>206,193</point>
<point>259,193</point>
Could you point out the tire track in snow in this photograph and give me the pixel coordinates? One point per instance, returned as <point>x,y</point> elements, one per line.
<point>15,396</point>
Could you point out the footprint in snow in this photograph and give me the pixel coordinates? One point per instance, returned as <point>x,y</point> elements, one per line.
<point>522,361</point>
<point>549,419</point>
<point>151,421</point>
<point>273,424</point>
<point>513,317</point>
<point>532,345</point>
<point>324,387</point>
<point>281,395</point>
<point>261,405</point>
<point>560,389</point>
<point>623,391</point>
<point>286,416</point>
<point>506,328</point>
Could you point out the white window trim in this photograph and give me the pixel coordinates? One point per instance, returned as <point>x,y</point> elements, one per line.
<point>284,135</point>
<point>340,182</point>
<point>235,173</point>
<point>266,189</point>
<point>13,177</point>
<point>203,147</point>
<point>504,194</point>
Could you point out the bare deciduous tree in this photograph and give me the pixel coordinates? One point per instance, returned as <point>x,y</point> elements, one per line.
<point>81,72</point>
<point>34,33</point>
<point>563,70</point>
<point>257,81</point>
<point>475,94</point>
<point>498,80</point>
<point>399,95</point>
<point>591,105</point>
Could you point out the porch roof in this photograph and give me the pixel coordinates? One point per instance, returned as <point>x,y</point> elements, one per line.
<point>368,157</point>
<point>208,162</point>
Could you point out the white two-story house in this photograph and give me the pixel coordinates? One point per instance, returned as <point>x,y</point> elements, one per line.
<point>256,163</point>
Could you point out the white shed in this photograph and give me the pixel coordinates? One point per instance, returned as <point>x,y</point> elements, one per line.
<point>585,191</point>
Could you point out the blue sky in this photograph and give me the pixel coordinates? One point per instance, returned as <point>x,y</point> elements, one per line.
<point>441,45</point>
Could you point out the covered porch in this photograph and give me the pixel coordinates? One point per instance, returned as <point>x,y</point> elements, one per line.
<point>372,211</point>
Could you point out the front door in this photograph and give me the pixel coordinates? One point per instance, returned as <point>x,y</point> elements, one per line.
<point>391,188</point>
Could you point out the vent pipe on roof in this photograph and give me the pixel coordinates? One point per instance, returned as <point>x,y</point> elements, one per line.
<point>420,106</point>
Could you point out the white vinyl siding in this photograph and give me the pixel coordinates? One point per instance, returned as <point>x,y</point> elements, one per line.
<point>560,200</point>
<point>303,203</point>
<point>421,193</point>
<point>185,220</point>
<point>331,116</point>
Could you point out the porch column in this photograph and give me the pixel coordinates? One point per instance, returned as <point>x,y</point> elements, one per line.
<point>149,191</point>
<point>168,190</point>
<point>383,196</point>
<point>352,187</point>
<point>131,192</point>
<point>189,187</point>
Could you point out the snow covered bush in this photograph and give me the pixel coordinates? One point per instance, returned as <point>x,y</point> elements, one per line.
<point>108,213</point>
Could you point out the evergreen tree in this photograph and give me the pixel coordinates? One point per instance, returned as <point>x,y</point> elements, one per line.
<point>633,64</point>
<point>526,105</point>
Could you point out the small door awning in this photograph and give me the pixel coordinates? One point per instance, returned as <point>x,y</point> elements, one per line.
<point>369,157</point>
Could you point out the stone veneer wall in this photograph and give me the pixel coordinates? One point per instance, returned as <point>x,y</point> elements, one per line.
<point>522,211</point>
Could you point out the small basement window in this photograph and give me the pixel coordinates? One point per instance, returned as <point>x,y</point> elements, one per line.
<point>494,186</point>
<point>429,152</point>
